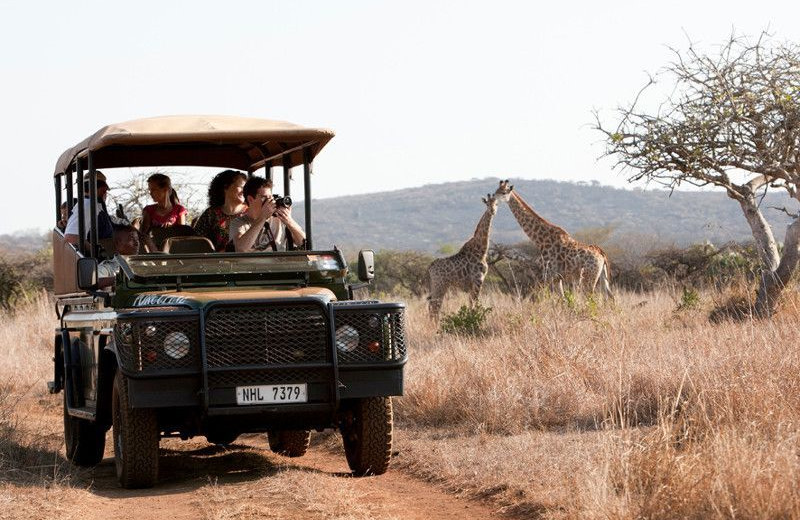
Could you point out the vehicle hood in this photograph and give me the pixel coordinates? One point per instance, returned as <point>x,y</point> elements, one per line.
<point>199,298</point>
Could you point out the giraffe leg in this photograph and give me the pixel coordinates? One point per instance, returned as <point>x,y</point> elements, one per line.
<point>474,293</point>
<point>606,282</point>
<point>435,301</point>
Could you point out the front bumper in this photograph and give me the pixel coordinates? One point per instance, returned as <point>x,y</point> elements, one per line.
<point>250,342</point>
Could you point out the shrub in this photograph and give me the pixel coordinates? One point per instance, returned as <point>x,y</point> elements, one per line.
<point>467,320</point>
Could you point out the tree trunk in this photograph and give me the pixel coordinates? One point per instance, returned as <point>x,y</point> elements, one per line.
<point>762,233</point>
<point>773,283</point>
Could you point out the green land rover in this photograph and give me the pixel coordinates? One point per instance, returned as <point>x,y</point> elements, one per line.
<point>197,343</point>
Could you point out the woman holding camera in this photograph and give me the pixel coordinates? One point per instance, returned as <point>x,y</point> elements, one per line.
<point>265,225</point>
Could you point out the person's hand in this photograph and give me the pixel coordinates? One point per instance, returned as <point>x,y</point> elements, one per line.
<point>265,209</point>
<point>284,214</point>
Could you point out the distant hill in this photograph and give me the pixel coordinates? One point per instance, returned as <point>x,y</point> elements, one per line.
<point>429,217</point>
<point>22,243</point>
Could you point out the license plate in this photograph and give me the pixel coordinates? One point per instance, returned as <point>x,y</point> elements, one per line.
<point>272,394</point>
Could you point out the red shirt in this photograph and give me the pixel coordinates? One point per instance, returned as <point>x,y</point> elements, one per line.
<point>170,219</point>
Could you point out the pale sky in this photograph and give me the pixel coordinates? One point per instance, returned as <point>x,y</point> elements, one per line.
<point>417,92</point>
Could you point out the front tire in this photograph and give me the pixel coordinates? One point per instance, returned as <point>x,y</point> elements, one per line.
<point>291,443</point>
<point>85,441</point>
<point>366,428</point>
<point>136,439</point>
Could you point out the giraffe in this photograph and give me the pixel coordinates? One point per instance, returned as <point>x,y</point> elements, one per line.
<point>466,269</point>
<point>562,258</point>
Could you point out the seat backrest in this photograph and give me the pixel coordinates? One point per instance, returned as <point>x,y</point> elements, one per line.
<point>161,234</point>
<point>182,245</point>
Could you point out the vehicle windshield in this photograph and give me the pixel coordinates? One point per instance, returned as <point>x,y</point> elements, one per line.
<point>220,264</point>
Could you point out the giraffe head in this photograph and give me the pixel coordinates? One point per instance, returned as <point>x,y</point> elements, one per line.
<point>504,191</point>
<point>491,203</point>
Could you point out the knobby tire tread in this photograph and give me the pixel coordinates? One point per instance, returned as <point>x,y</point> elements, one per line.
<point>371,450</point>
<point>85,441</point>
<point>139,443</point>
<point>290,443</point>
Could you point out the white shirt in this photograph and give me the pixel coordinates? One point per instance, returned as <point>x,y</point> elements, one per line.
<point>72,223</point>
<point>241,224</point>
<point>108,268</point>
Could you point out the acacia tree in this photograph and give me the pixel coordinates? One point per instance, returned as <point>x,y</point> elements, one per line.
<point>732,120</point>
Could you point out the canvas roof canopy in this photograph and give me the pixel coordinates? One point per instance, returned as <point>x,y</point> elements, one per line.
<point>223,141</point>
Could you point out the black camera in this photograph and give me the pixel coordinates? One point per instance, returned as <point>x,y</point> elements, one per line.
<point>282,202</point>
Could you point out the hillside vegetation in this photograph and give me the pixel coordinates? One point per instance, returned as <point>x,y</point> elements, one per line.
<point>430,217</point>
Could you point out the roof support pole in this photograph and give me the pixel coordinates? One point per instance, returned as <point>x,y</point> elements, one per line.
<point>93,206</point>
<point>307,166</point>
<point>287,176</point>
<point>81,208</point>
<point>287,190</point>
<point>57,182</point>
<point>70,193</point>
<point>268,171</point>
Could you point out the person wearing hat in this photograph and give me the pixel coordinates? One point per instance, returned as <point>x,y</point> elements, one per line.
<point>105,228</point>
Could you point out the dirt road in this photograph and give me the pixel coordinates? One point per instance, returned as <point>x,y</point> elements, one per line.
<point>246,480</point>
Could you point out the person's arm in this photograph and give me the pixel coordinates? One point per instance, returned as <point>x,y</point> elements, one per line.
<point>182,212</point>
<point>298,235</point>
<point>243,239</point>
<point>244,235</point>
<point>144,228</point>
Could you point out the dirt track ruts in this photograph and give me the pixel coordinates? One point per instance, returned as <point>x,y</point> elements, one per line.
<point>198,480</point>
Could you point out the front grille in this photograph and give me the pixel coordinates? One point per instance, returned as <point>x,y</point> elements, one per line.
<point>158,343</point>
<point>369,335</point>
<point>239,336</point>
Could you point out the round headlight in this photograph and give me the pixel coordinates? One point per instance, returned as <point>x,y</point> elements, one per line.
<point>346,338</point>
<point>176,345</point>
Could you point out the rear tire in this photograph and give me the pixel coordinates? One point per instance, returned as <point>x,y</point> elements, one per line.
<point>85,441</point>
<point>291,443</point>
<point>136,439</point>
<point>366,429</point>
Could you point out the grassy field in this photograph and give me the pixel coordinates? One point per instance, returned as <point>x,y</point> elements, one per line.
<point>641,409</point>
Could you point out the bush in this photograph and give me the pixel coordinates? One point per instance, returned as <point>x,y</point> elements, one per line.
<point>467,320</point>
<point>401,272</point>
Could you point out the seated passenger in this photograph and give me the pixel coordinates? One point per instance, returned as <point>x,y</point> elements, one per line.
<point>105,227</point>
<point>264,226</point>
<point>167,210</point>
<point>126,242</point>
<point>226,201</point>
<point>64,216</point>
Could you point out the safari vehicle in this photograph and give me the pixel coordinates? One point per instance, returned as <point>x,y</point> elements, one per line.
<point>212,344</point>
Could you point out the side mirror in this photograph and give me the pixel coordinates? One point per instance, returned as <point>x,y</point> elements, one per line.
<point>87,274</point>
<point>366,265</point>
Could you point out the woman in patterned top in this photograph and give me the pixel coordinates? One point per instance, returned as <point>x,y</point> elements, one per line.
<point>226,202</point>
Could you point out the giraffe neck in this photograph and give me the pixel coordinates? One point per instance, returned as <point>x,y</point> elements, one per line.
<point>479,243</point>
<point>539,230</point>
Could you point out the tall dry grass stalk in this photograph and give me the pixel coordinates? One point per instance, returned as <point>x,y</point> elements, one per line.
<point>673,416</point>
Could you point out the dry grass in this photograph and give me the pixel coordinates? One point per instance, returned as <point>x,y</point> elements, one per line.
<point>625,411</point>
<point>29,442</point>
<point>631,410</point>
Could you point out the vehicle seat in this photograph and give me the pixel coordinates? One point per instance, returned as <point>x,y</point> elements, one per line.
<point>159,235</point>
<point>182,245</point>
